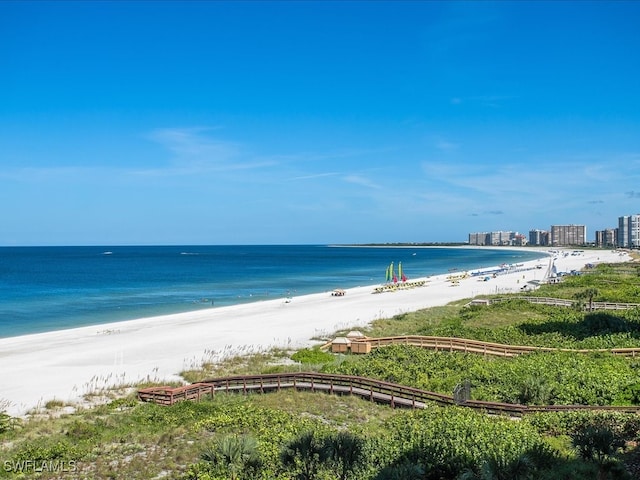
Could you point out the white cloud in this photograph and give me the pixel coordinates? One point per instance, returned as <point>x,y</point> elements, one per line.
<point>196,152</point>
<point>360,180</point>
<point>192,145</point>
<point>315,175</point>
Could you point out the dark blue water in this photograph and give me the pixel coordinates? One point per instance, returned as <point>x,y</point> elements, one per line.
<point>52,288</point>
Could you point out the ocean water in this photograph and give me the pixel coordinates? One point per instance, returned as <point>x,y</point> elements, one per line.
<point>52,288</point>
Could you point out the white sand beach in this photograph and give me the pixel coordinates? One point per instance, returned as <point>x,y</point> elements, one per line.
<point>67,364</point>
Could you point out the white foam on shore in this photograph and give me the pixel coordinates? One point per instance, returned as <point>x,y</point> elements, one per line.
<point>67,364</point>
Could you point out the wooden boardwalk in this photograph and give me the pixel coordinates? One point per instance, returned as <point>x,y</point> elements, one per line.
<point>563,302</point>
<point>454,344</point>
<point>392,394</point>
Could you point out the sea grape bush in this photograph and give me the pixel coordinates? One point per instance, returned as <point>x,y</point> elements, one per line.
<point>626,425</point>
<point>436,442</point>
<point>312,356</point>
<point>561,378</point>
<point>545,326</point>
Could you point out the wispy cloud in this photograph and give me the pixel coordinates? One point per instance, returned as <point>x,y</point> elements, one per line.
<point>360,180</point>
<point>194,145</point>
<point>315,175</point>
<point>194,151</point>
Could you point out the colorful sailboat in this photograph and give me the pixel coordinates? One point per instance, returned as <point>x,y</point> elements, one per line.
<point>401,274</point>
<point>390,274</point>
<point>391,280</point>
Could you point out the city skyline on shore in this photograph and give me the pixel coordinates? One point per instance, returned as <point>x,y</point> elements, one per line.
<point>143,123</point>
<point>625,233</point>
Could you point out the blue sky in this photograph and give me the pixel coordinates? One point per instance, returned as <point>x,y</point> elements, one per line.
<point>314,122</point>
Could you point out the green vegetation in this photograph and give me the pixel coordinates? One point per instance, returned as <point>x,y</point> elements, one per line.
<point>5,422</point>
<point>540,378</point>
<point>295,435</point>
<point>309,356</point>
<point>53,404</point>
<point>613,282</point>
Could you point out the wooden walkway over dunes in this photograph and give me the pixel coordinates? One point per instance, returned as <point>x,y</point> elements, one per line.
<point>558,302</point>
<point>453,344</point>
<point>392,394</point>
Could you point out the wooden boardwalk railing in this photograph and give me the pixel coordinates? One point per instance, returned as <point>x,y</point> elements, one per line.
<point>453,344</point>
<point>563,302</point>
<point>378,391</point>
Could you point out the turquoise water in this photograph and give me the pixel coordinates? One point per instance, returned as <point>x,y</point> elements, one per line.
<point>52,288</point>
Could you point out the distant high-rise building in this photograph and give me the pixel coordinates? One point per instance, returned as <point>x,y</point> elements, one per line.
<point>607,237</point>
<point>480,238</point>
<point>503,238</point>
<point>564,235</point>
<point>623,231</point>
<point>497,238</point>
<point>538,237</point>
<point>635,231</point>
<point>629,231</point>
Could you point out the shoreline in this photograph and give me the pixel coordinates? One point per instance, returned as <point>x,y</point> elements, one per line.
<point>137,304</point>
<point>67,364</point>
<point>80,304</point>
